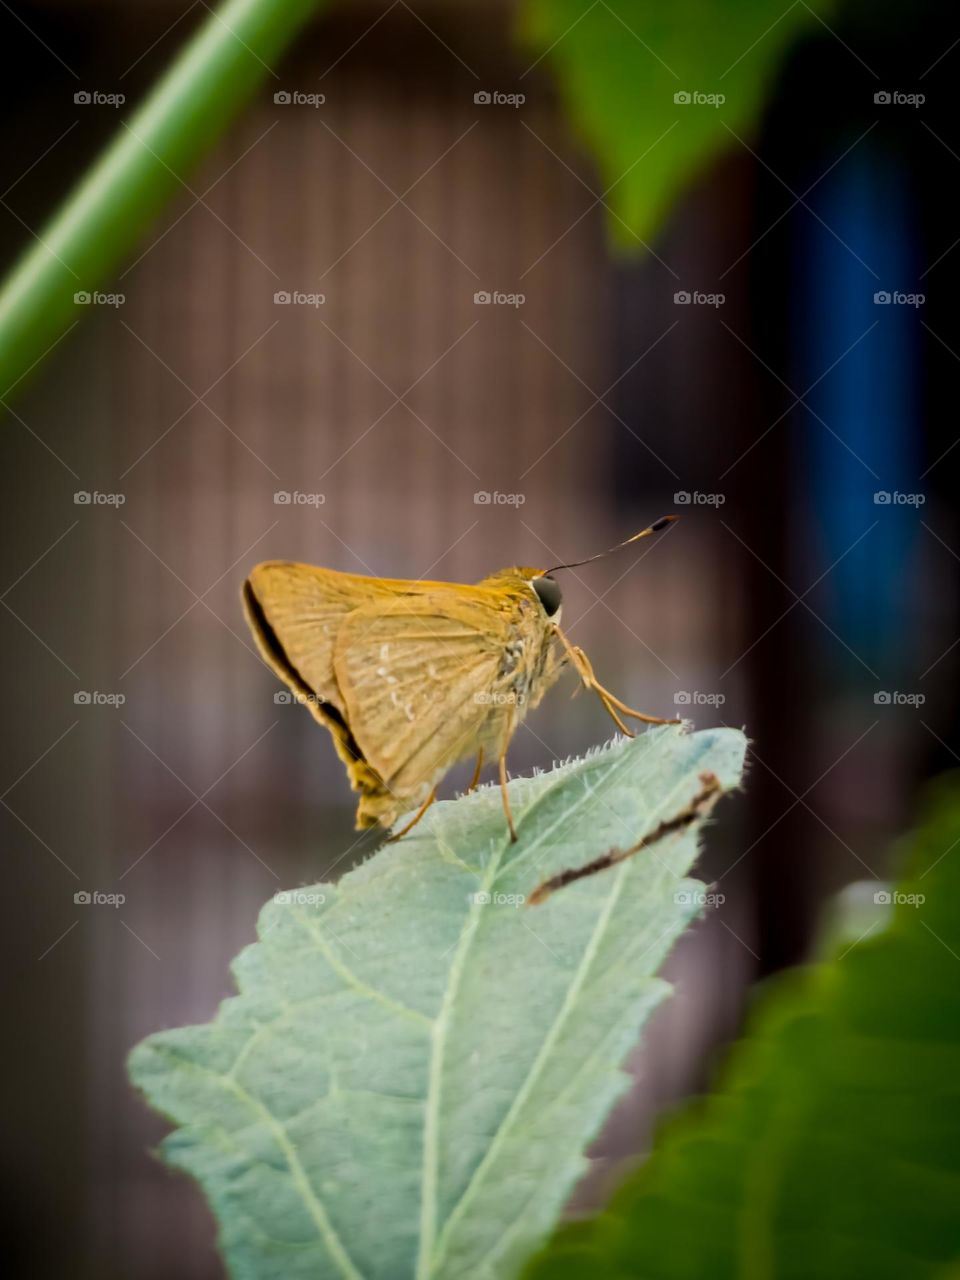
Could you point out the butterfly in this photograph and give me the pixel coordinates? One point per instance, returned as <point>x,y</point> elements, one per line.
<point>410,677</point>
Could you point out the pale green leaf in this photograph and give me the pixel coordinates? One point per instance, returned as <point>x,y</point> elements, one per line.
<point>415,1063</point>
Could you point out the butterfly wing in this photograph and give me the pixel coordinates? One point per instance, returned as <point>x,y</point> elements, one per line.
<point>415,675</point>
<point>295,612</point>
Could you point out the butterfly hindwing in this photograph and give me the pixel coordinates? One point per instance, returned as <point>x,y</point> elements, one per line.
<point>415,676</point>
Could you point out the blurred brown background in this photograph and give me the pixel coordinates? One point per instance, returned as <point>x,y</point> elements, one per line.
<point>399,399</point>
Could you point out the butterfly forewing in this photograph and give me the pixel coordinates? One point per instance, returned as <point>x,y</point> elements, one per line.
<point>295,612</point>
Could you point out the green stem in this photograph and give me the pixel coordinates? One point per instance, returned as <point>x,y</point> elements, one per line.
<point>113,205</point>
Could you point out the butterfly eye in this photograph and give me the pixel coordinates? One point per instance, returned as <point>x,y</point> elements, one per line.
<point>550,595</point>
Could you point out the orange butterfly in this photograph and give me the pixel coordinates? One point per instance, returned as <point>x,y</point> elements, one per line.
<point>411,677</point>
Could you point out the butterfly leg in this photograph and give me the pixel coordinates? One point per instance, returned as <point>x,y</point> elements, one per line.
<point>476,773</point>
<point>612,704</point>
<point>415,819</point>
<point>503,792</point>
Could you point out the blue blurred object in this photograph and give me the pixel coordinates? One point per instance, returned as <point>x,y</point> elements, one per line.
<point>861,356</point>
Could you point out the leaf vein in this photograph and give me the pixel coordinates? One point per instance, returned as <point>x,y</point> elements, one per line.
<point>314,1206</point>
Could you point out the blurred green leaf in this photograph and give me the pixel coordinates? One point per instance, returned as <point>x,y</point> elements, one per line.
<point>406,1082</point>
<point>148,162</point>
<point>620,64</point>
<point>831,1148</point>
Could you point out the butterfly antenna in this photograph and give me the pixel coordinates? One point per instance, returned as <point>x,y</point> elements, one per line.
<point>644,533</point>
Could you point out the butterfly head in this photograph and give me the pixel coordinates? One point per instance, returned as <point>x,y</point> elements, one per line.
<point>524,583</point>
